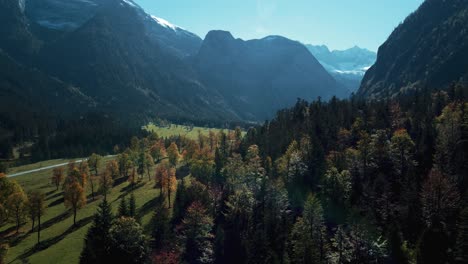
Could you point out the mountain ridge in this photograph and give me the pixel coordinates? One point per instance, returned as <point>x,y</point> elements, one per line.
<point>138,66</point>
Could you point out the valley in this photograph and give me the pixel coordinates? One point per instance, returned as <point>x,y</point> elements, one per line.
<point>127,139</point>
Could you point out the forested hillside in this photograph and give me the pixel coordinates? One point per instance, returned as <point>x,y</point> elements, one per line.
<point>345,181</point>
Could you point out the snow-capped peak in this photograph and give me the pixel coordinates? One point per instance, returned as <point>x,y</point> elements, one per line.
<point>165,23</point>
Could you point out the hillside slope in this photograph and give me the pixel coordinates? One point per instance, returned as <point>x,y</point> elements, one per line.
<point>430,49</point>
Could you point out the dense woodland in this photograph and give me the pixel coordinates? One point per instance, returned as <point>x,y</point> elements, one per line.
<point>344,181</point>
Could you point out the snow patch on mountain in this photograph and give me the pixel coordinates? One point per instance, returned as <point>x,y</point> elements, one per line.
<point>22,5</point>
<point>58,25</point>
<point>130,3</point>
<point>165,23</point>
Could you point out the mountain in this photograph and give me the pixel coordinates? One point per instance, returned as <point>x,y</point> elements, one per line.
<point>428,50</point>
<point>15,36</point>
<point>117,59</point>
<point>27,88</point>
<point>69,15</point>
<point>346,66</point>
<point>259,77</point>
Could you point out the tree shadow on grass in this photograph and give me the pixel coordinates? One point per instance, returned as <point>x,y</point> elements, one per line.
<point>53,196</point>
<point>119,181</point>
<point>56,202</point>
<point>147,207</point>
<point>130,188</point>
<point>49,192</point>
<point>44,225</point>
<point>54,240</point>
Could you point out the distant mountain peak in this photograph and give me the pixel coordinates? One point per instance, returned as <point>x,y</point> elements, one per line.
<point>347,66</point>
<point>219,34</point>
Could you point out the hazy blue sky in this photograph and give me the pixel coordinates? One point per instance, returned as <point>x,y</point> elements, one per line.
<point>339,24</point>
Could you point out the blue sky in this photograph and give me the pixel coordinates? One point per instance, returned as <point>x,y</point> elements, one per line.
<point>339,24</point>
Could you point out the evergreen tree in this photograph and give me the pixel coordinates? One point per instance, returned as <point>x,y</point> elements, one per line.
<point>128,244</point>
<point>461,253</point>
<point>161,223</point>
<point>97,240</point>
<point>132,206</point>
<point>308,236</point>
<point>196,237</point>
<point>123,208</point>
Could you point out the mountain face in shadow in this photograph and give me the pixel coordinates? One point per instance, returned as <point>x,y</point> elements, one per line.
<point>429,50</point>
<point>261,76</point>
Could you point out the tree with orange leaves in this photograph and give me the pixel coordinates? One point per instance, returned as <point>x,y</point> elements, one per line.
<point>158,151</point>
<point>74,197</point>
<point>170,184</point>
<point>106,182</point>
<point>76,175</point>
<point>112,167</point>
<point>166,180</point>
<point>160,175</point>
<point>173,154</point>
<point>57,177</point>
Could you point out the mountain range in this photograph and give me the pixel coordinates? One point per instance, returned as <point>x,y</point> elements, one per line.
<point>131,64</point>
<point>346,66</point>
<point>429,50</point>
<point>69,57</point>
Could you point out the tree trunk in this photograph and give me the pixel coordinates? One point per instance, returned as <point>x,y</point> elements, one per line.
<point>169,196</point>
<point>38,229</point>
<point>17,222</point>
<point>92,187</point>
<point>74,216</point>
<point>33,220</point>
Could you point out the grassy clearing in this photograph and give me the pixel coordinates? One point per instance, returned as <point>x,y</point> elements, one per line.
<point>179,130</point>
<point>61,242</point>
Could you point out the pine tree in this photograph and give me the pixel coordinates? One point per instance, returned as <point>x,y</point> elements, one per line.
<point>461,253</point>
<point>161,223</point>
<point>97,241</point>
<point>196,236</point>
<point>123,208</point>
<point>132,206</point>
<point>308,236</point>
<point>128,244</point>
